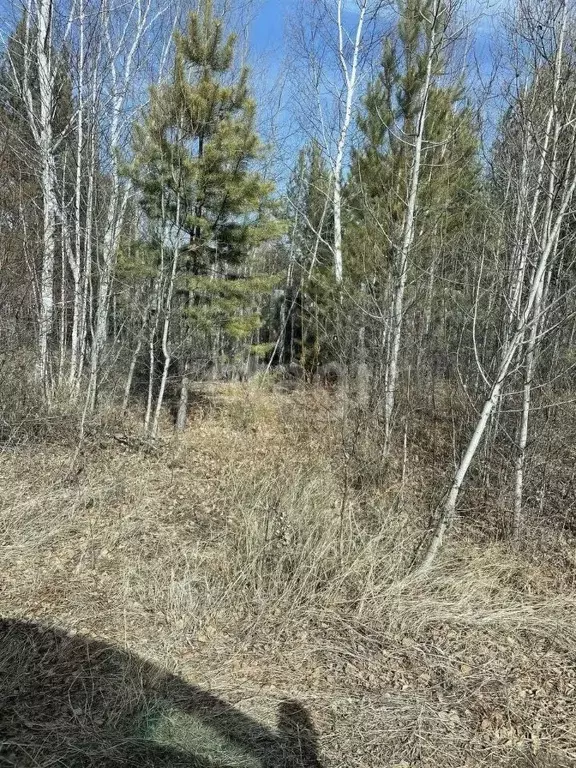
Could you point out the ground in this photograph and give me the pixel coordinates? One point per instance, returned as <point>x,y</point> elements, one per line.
<point>247,567</point>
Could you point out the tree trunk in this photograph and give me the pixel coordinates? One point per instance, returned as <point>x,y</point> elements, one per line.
<point>551,138</point>
<point>448,509</point>
<point>120,66</point>
<point>48,180</point>
<point>350,77</point>
<point>113,224</point>
<point>167,317</point>
<point>76,262</point>
<point>62,340</point>
<point>182,415</point>
<point>407,241</point>
<point>85,318</point>
<point>151,366</point>
<point>128,387</point>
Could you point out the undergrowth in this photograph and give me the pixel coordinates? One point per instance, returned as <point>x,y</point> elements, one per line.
<point>251,556</point>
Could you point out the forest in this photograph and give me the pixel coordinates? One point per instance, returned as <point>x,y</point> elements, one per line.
<point>287,360</point>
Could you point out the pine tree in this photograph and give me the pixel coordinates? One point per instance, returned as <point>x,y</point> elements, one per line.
<point>194,169</point>
<point>377,191</point>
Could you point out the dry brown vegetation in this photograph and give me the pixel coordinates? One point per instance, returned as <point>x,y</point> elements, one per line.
<point>251,557</point>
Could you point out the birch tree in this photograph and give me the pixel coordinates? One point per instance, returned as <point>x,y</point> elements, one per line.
<point>36,84</point>
<point>126,37</point>
<point>434,18</point>
<point>41,124</point>
<point>541,135</point>
<point>416,135</point>
<point>349,72</point>
<point>336,39</point>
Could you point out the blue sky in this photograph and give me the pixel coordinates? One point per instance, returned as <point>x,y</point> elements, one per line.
<point>268,27</point>
<point>269,50</point>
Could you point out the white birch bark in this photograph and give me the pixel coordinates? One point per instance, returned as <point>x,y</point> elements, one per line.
<point>122,54</point>
<point>39,15</point>
<point>407,236</point>
<point>76,260</point>
<point>350,75</point>
<point>37,87</point>
<point>151,366</point>
<point>166,327</point>
<point>85,323</point>
<point>531,349</point>
<point>525,416</point>
<point>448,509</point>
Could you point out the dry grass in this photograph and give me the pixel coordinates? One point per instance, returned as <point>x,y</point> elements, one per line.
<point>243,557</point>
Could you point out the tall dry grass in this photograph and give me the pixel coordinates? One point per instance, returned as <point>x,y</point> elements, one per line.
<point>251,556</point>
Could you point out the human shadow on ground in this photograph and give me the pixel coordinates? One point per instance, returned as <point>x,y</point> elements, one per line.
<point>69,701</point>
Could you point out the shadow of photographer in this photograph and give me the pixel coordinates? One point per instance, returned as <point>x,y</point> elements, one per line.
<point>73,702</point>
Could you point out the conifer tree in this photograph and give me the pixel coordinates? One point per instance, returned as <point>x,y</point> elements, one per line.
<point>377,188</point>
<point>408,111</point>
<point>194,169</point>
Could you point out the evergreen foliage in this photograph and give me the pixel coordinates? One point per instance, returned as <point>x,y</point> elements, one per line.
<point>195,170</point>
